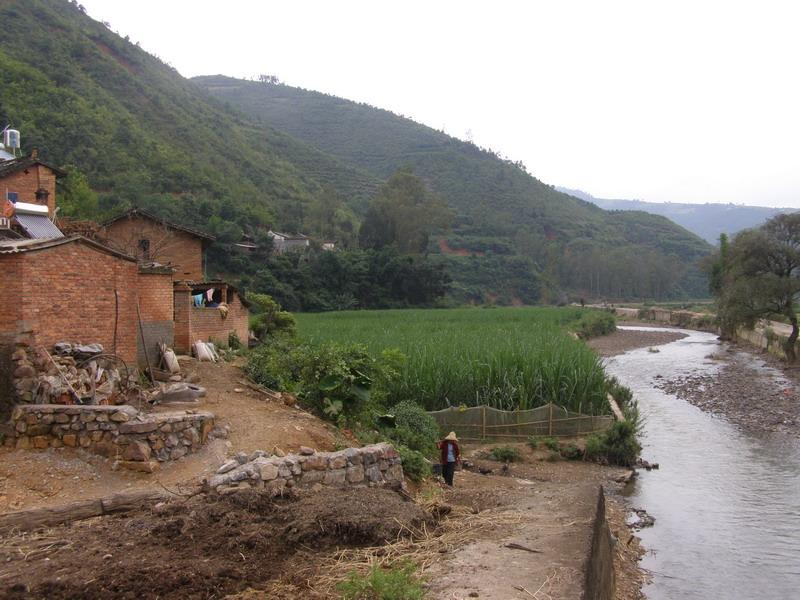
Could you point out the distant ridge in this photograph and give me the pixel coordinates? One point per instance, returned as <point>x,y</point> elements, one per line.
<point>706,220</point>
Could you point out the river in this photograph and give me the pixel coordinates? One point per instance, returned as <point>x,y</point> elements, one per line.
<point>726,502</point>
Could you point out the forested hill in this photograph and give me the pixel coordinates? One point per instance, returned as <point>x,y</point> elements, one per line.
<point>86,97</point>
<point>705,220</point>
<point>504,214</point>
<point>235,158</point>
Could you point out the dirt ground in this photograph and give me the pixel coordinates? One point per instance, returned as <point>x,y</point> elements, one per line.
<point>246,546</point>
<point>249,547</point>
<point>204,547</point>
<point>622,340</point>
<point>31,479</point>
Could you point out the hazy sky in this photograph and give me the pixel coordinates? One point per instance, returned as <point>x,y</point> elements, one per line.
<point>671,101</point>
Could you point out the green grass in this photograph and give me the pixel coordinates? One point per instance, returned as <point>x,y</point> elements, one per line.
<point>507,358</point>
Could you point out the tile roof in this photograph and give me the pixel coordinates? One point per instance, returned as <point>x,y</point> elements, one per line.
<point>153,217</point>
<point>19,246</point>
<point>7,167</point>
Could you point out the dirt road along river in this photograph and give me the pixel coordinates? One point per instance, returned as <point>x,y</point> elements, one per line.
<point>726,501</point>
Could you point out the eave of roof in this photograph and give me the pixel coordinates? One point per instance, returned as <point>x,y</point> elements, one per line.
<point>148,215</point>
<point>8,247</point>
<point>7,167</point>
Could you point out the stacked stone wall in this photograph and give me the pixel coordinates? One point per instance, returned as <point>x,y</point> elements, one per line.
<point>374,465</point>
<point>139,441</point>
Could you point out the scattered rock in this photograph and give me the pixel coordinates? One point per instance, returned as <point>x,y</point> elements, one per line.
<point>306,451</point>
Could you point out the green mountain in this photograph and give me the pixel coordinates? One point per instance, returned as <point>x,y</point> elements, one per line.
<point>502,210</point>
<point>707,220</point>
<point>86,97</point>
<point>235,157</point>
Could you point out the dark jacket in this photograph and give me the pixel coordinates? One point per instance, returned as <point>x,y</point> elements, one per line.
<point>443,448</point>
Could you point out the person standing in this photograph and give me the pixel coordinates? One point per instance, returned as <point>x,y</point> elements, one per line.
<point>451,455</point>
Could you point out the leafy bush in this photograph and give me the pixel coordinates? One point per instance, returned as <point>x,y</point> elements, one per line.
<point>621,445</point>
<point>337,381</point>
<point>234,343</point>
<point>397,583</point>
<point>505,454</point>
<point>414,427</point>
<point>571,452</point>
<point>618,445</point>
<point>595,323</point>
<point>415,466</point>
<point>551,444</point>
<point>269,318</point>
<point>534,441</point>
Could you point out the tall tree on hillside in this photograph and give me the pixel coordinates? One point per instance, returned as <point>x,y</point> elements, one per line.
<point>758,276</point>
<point>404,213</point>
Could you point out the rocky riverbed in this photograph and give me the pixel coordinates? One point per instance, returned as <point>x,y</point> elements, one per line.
<point>758,394</point>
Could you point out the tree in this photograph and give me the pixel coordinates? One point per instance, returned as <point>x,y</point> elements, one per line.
<point>758,276</point>
<point>404,213</point>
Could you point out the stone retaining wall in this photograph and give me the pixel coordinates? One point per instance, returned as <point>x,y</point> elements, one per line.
<point>139,441</point>
<point>378,464</point>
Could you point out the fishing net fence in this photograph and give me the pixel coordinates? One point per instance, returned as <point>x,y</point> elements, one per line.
<point>479,423</point>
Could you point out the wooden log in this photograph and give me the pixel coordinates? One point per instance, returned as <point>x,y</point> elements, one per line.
<point>25,520</point>
<point>130,500</point>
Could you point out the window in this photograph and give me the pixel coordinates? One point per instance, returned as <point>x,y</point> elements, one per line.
<point>12,196</point>
<point>42,195</point>
<point>144,248</point>
<point>228,296</point>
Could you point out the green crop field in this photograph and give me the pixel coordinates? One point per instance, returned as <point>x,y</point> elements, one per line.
<point>507,358</point>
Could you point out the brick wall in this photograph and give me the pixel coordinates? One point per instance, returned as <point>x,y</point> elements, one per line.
<point>156,305</point>
<point>10,316</point>
<point>206,324</point>
<point>70,292</point>
<point>168,246</point>
<point>26,182</point>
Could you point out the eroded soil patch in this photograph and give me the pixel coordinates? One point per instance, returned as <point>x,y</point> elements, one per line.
<point>205,547</point>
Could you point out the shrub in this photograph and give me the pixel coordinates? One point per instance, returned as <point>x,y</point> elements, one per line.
<point>505,454</point>
<point>234,343</point>
<point>269,318</point>
<point>618,445</point>
<point>339,382</point>
<point>396,583</point>
<point>595,323</point>
<point>414,427</point>
<point>621,445</point>
<point>551,444</point>
<point>415,466</point>
<point>571,452</point>
<point>534,441</point>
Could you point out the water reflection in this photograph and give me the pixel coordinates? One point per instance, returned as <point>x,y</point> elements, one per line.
<point>726,502</point>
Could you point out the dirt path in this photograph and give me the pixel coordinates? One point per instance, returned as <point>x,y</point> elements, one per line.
<point>545,506</point>
<point>50,477</point>
<point>623,340</point>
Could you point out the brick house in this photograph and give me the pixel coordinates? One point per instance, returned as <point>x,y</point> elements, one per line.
<point>152,239</point>
<point>162,246</point>
<point>67,288</point>
<point>28,188</point>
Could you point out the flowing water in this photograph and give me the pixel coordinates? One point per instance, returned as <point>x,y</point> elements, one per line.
<point>726,502</point>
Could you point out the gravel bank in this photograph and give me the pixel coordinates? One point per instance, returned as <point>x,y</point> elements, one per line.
<point>623,340</point>
<point>760,395</point>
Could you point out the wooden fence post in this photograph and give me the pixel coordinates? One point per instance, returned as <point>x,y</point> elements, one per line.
<point>483,422</point>
<point>550,421</point>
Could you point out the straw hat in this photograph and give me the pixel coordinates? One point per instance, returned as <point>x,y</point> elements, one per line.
<point>452,436</point>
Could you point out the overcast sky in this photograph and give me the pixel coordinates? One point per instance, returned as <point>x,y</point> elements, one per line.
<point>669,101</point>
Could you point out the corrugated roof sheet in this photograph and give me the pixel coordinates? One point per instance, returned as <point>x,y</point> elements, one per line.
<point>38,226</point>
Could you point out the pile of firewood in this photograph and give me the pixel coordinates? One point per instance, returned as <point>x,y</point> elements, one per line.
<point>72,374</point>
